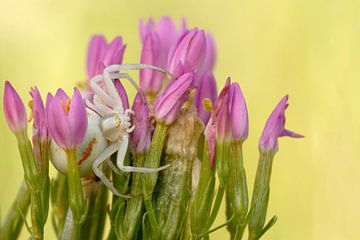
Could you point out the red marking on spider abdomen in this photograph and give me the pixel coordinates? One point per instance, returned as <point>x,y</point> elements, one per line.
<point>87,151</point>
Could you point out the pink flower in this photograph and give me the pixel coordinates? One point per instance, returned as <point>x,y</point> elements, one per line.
<point>100,54</point>
<point>141,136</point>
<point>122,93</point>
<point>210,136</point>
<point>66,118</point>
<point>238,113</point>
<point>150,80</point>
<point>206,89</point>
<point>14,109</point>
<point>95,51</point>
<point>168,104</point>
<point>40,129</point>
<point>210,57</point>
<point>275,128</point>
<point>190,48</point>
<point>222,114</point>
<point>157,38</point>
<point>165,29</point>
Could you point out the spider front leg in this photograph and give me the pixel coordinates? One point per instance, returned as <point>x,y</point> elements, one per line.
<point>121,156</point>
<point>98,172</point>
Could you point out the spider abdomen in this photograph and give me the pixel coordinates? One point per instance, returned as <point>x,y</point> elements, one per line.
<point>94,143</point>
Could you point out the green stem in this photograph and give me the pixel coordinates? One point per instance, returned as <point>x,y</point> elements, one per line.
<point>216,206</point>
<point>154,156</point>
<point>149,180</point>
<point>60,203</point>
<point>237,193</point>
<point>134,207</point>
<point>35,184</point>
<point>14,220</point>
<point>99,213</point>
<point>200,206</point>
<point>77,203</point>
<point>260,197</point>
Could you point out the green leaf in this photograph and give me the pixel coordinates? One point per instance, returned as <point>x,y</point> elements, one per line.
<point>268,226</point>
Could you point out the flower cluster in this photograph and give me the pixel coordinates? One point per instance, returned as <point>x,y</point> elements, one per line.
<point>178,132</point>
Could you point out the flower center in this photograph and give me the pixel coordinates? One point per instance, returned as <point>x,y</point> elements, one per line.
<point>66,106</point>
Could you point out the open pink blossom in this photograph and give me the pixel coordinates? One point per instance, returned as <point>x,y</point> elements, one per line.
<point>66,118</point>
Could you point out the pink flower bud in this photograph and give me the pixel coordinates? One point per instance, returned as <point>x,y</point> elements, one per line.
<point>166,30</point>
<point>14,110</point>
<point>168,104</point>
<point>222,114</point>
<point>206,89</point>
<point>190,48</point>
<point>113,53</point>
<point>100,54</point>
<point>40,129</point>
<point>95,50</point>
<point>150,80</point>
<point>210,136</point>
<point>238,113</point>
<point>210,57</point>
<point>66,118</point>
<point>275,128</point>
<point>141,136</point>
<point>122,93</point>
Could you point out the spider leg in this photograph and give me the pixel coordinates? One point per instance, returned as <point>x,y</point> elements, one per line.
<point>113,167</point>
<point>95,108</point>
<point>120,67</point>
<point>131,129</point>
<point>129,111</point>
<point>102,94</point>
<point>98,172</point>
<point>121,156</point>
<point>112,90</point>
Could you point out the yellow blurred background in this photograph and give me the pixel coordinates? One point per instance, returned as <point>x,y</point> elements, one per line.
<point>309,49</point>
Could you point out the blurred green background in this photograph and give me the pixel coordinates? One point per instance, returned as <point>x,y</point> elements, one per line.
<point>309,49</point>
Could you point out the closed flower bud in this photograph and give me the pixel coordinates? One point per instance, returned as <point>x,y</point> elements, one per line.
<point>141,136</point>
<point>66,118</point>
<point>14,109</point>
<point>100,54</point>
<point>222,114</point>
<point>238,114</point>
<point>122,93</point>
<point>206,89</point>
<point>190,48</point>
<point>210,57</point>
<point>166,30</point>
<point>151,80</point>
<point>40,129</point>
<point>168,104</point>
<point>275,128</point>
<point>95,50</point>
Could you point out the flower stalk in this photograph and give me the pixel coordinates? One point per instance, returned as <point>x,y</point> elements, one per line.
<point>76,199</point>
<point>237,193</point>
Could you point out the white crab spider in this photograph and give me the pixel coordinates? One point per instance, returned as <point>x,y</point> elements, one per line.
<point>115,120</point>
<point>108,129</point>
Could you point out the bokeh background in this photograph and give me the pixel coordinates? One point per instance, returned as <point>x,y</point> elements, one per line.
<point>309,49</point>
